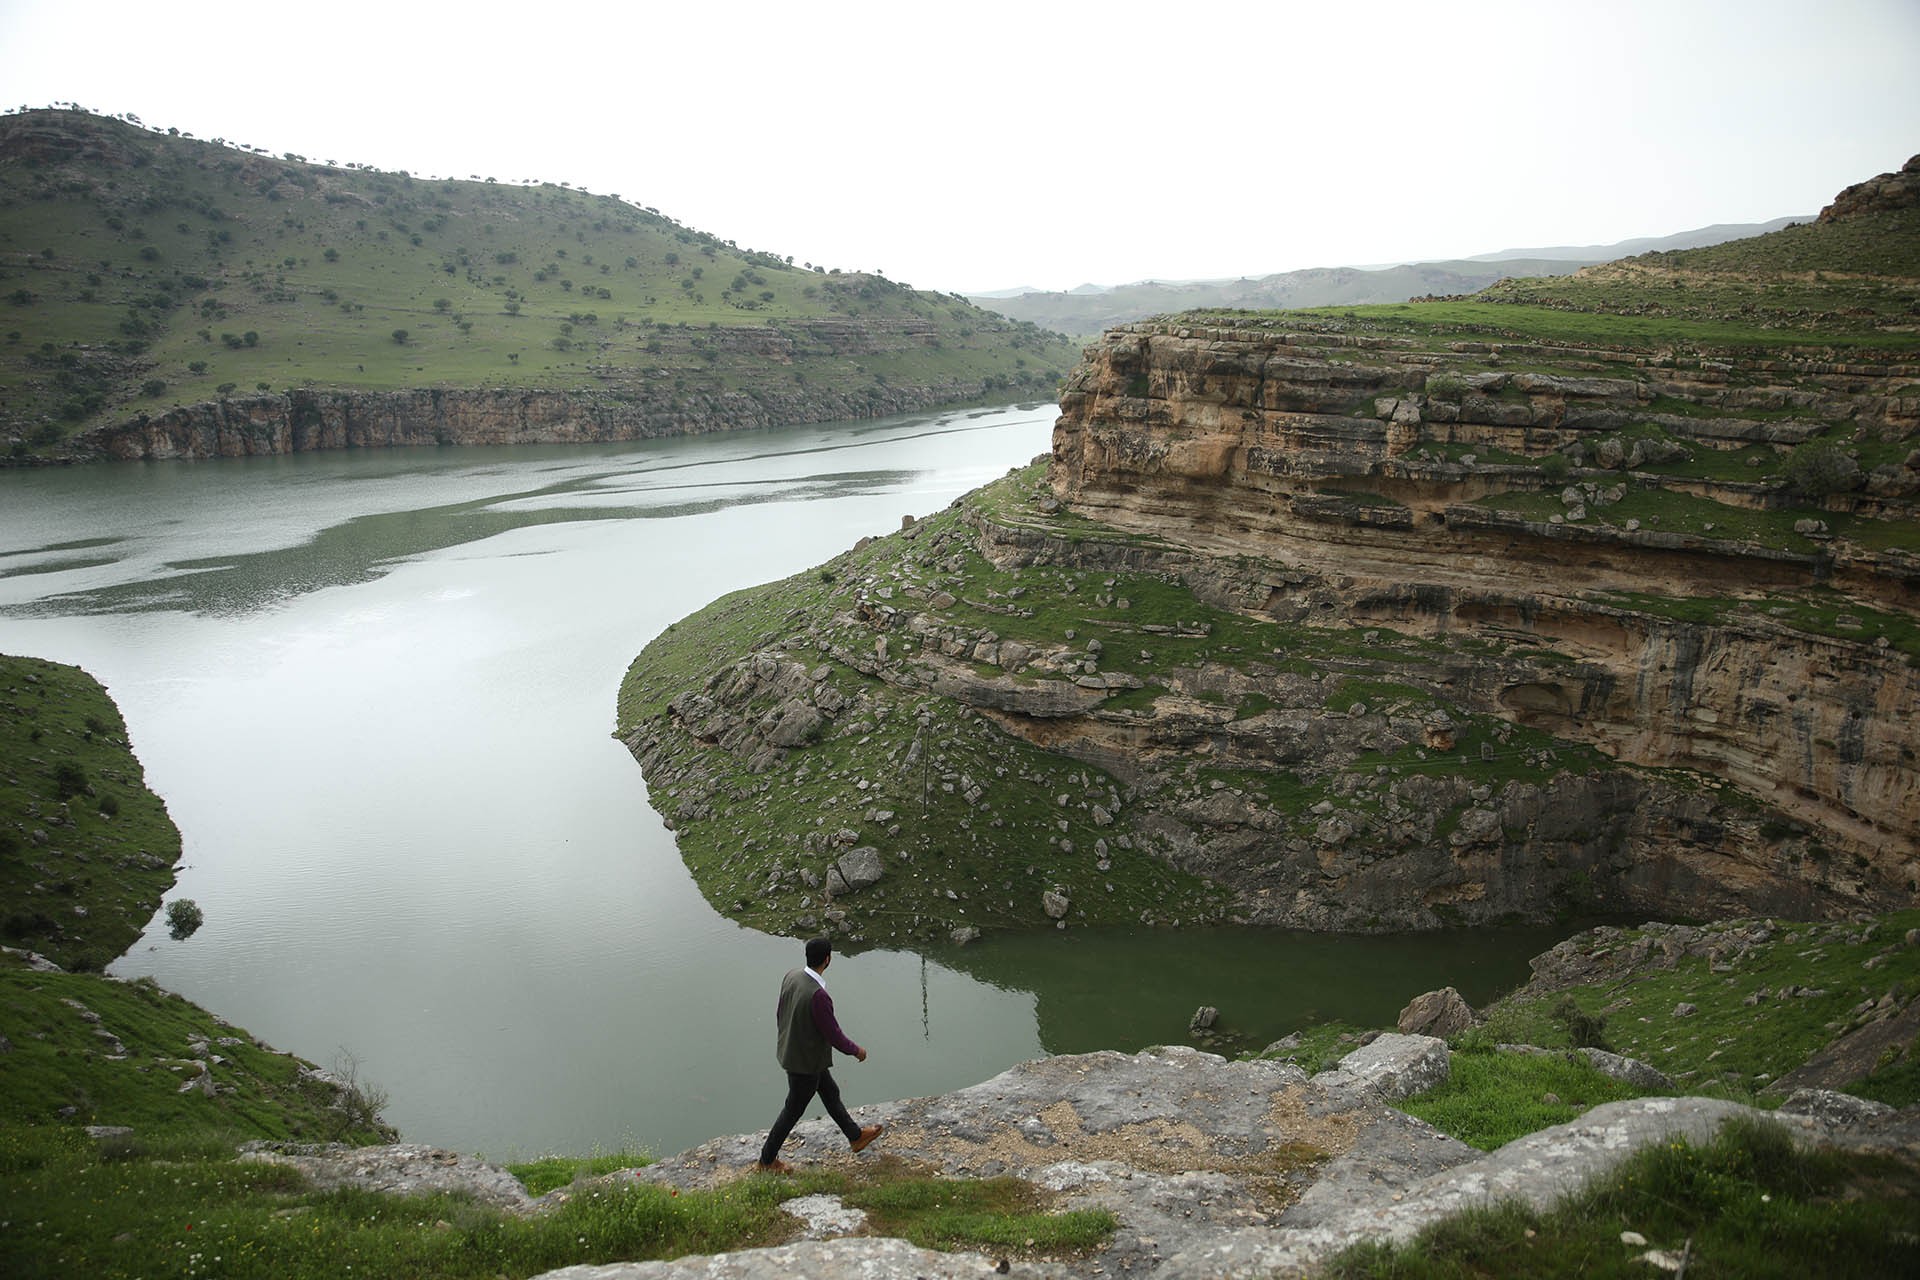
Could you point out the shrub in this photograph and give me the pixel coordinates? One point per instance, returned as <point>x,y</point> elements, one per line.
<point>184,917</point>
<point>1817,469</point>
<point>1584,1030</point>
<point>1446,386</point>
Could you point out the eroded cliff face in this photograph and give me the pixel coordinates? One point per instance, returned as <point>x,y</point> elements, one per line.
<point>1380,486</point>
<point>299,421</point>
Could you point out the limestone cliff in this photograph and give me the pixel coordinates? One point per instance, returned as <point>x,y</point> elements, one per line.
<point>1345,457</point>
<point>299,421</point>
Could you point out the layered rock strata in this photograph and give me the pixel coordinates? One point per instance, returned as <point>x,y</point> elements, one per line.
<point>299,421</point>
<point>1342,460</point>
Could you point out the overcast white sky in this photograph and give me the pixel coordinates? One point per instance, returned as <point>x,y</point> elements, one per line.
<point>981,145</point>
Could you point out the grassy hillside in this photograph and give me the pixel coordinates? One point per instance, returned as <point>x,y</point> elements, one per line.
<point>1855,280</point>
<point>1091,313</point>
<point>1848,281</point>
<point>141,270</point>
<point>86,851</point>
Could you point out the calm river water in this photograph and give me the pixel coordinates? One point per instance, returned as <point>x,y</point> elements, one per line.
<point>376,690</point>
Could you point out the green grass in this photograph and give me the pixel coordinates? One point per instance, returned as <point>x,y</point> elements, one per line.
<point>1492,1098</point>
<point>1669,511</point>
<point>1004,1214</point>
<point>86,850</point>
<point>74,1211</point>
<point>1320,1047</point>
<point>174,1208</point>
<point>1731,1047</point>
<point>1817,611</point>
<point>1845,287</point>
<point>61,1069</point>
<point>1436,324</point>
<point>1747,1204</point>
<point>138,270</point>
<point>553,1172</point>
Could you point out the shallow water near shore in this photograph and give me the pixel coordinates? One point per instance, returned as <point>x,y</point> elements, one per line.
<point>376,690</point>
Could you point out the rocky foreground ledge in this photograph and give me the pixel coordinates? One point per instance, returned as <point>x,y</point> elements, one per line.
<point>1213,1168</point>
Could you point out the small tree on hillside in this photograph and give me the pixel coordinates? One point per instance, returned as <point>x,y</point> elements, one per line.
<point>1817,469</point>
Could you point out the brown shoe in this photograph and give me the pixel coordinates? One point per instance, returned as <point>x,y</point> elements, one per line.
<point>867,1135</point>
<point>774,1166</point>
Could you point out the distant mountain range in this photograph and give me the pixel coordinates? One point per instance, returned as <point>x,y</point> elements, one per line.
<point>1088,309</point>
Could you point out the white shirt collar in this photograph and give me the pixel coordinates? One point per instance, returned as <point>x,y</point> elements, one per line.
<point>814,974</point>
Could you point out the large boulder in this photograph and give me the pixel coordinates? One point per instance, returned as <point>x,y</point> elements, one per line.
<point>860,868</point>
<point>1444,1013</point>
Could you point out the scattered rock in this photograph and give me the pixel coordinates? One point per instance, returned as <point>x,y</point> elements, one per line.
<point>401,1169</point>
<point>1398,1066</point>
<point>824,1217</point>
<point>1631,1070</point>
<point>858,1258</point>
<point>1840,1109</point>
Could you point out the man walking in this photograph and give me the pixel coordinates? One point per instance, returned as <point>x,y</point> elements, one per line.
<point>809,1033</point>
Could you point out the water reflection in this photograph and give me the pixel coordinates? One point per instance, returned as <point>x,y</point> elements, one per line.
<point>1130,988</point>
<point>365,547</point>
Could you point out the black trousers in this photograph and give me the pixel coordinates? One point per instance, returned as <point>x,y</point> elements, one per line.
<point>801,1088</point>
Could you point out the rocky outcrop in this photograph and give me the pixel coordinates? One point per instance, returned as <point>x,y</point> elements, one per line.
<point>1886,192</point>
<point>1216,1168</point>
<point>396,1169</point>
<point>1362,754</point>
<point>299,421</point>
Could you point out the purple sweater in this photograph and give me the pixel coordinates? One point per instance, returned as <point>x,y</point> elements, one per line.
<point>828,1025</point>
